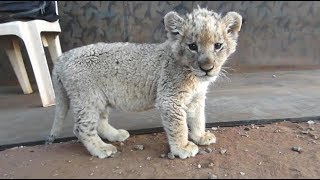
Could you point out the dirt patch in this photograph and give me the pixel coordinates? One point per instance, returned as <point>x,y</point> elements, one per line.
<point>240,152</point>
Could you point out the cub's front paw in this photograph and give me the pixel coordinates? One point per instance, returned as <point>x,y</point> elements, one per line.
<point>103,151</point>
<point>205,139</point>
<point>189,150</point>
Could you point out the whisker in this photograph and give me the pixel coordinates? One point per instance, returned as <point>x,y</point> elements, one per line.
<point>223,75</point>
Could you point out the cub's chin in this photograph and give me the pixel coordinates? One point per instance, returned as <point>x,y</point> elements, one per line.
<point>206,77</point>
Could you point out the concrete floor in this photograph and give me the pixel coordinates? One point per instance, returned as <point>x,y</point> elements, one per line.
<point>246,96</point>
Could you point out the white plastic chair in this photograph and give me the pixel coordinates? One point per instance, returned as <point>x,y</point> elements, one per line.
<point>35,34</point>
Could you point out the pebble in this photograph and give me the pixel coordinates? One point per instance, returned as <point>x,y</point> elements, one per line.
<point>246,135</point>
<point>310,122</point>
<point>211,165</point>
<point>242,173</point>
<point>298,136</point>
<point>259,163</point>
<point>170,155</point>
<point>138,147</point>
<point>201,152</point>
<point>212,176</point>
<point>214,128</point>
<point>276,131</point>
<point>208,150</point>
<point>199,166</point>
<point>311,128</point>
<point>246,129</point>
<point>274,76</point>
<point>297,149</point>
<point>162,155</point>
<point>305,132</point>
<point>314,136</point>
<point>223,151</point>
<point>149,158</point>
<point>313,141</point>
<point>121,144</point>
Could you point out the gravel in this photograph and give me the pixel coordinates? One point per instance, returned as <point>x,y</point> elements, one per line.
<point>208,150</point>
<point>162,155</point>
<point>138,147</point>
<point>297,149</point>
<point>311,128</point>
<point>223,151</point>
<point>214,128</point>
<point>201,152</point>
<point>310,122</point>
<point>314,136</point>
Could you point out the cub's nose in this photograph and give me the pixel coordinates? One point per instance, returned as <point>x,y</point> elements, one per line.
<point>206,67</point>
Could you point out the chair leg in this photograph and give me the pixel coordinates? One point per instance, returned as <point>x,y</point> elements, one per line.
<point>40,67</point>
<point>15,57</point>
<point>54,46</point>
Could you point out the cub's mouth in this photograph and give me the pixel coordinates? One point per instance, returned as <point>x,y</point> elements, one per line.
<point>203,75</point>
<point>206,71</point>
<point>199,72</point>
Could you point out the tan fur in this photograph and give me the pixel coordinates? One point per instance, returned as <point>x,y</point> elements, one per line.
<point>169,76</point>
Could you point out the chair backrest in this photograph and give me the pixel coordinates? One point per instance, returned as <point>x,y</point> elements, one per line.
<point>25,11</point>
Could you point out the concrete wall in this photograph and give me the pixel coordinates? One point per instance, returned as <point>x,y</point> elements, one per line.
<point>275,34</point>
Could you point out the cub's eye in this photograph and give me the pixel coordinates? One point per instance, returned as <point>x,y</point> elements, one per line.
<point>193,47</point>
<point>217,46</point>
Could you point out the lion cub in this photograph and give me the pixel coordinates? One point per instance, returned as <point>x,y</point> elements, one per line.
<point>172,76</point>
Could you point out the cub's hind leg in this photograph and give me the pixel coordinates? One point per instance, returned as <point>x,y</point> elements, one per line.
<point>86,113</point>
<point>106,131</point>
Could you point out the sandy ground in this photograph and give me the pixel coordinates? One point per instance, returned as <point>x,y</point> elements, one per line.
<point>240,152</point>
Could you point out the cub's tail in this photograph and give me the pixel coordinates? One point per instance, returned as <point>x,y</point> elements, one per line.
<point>61,107</point>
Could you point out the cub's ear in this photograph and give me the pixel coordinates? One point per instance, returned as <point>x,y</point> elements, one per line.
<point>233,22</point>
<point>173,23</point>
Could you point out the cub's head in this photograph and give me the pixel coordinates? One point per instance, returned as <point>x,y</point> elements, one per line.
<point>203,40</point>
